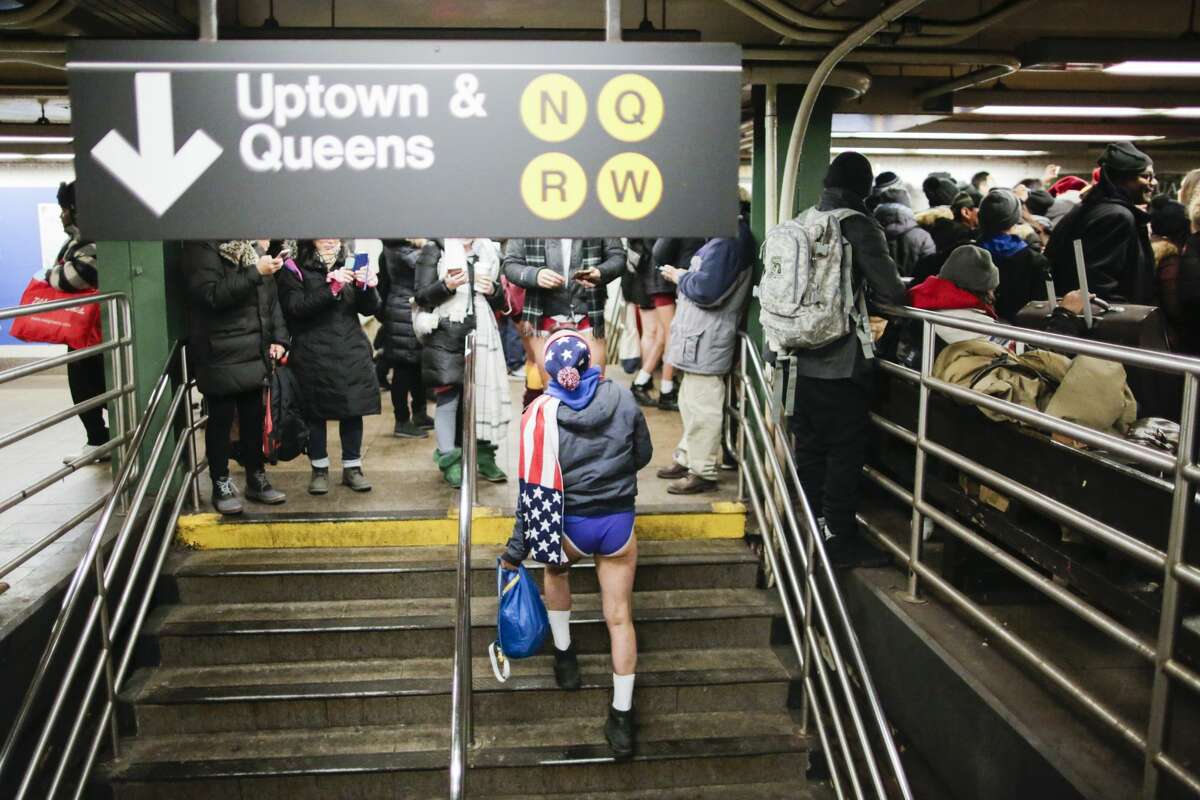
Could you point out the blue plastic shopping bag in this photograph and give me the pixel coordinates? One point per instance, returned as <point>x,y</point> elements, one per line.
<point>521,623</point>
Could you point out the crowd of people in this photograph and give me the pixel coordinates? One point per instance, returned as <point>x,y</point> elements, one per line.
<point>979,252</point>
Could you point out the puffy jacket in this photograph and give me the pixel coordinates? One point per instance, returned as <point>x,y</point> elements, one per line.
<point>442,353</point>
<point>397,285</point>
<point>601,447</point>
<point>234,318</point>
<point>330,354</point>
<point>907,241</point>
<point>1179,288</point>
<point>708,309</point>
<point>1116,247</point>
<point>1023,272</point>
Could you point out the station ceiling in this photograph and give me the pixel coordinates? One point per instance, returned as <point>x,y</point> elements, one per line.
<point>898,86</point>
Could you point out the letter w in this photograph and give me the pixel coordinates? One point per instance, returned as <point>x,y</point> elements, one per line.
<point>629,182</point>
<point>376,100</point>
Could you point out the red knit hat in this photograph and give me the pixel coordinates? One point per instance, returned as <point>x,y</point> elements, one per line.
<point>1067,184</point>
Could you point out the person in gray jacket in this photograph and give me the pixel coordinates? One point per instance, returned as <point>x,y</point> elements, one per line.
<point>602,442</point>
<point>712,297</point>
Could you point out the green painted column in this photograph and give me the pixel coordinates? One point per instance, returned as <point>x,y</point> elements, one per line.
<point>814,158</point>
<point>148,273</point>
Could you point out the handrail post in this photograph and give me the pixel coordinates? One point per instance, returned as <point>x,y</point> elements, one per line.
<point>1168,622</point>
<point>190,417</point>
<point>741,423</point>
<point>462,724</point>
<point>918,519</point>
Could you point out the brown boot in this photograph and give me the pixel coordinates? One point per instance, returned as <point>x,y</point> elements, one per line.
<point>692,484</point>
<point>673,472</point>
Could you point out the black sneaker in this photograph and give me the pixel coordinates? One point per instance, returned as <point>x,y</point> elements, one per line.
<point>642,394</point>
<point>668,401</point>
<point>225,496</point>
<point>409,430</point>
<point>423,421</point>
<point>619,731</point>
<point>566,668</point>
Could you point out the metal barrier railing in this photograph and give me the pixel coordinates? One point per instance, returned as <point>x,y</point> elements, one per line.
<point>37,761</point>
<point>462,724</point>
<point>117,346</point>
<point>822,637</point>
<point>1150,739</point>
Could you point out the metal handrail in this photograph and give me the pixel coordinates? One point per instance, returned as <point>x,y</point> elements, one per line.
<point>109,622</point>
<point>462,725</point>
<point>815,613</point>
<point>118,347</point>
<point>1181,468</point>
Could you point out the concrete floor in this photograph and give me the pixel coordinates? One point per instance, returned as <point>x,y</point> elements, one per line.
<point>25,401</point>
<point>405,478</point>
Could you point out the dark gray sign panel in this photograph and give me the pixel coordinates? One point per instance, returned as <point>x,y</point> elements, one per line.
<point>190,140</point>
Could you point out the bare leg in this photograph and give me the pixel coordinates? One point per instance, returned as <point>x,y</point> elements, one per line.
<point>558,588</point>
<point>665,315</point>
<point>615,574</point>
<point>653,340</point>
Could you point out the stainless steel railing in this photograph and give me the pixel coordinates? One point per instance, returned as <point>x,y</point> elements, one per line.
<point>462,726</point>
<point>117,346</point>
<point>865,762</point>
<point>1148,739</point>
<point>41,756</point>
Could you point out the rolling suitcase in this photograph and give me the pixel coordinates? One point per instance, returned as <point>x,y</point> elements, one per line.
<point>1158,393</point>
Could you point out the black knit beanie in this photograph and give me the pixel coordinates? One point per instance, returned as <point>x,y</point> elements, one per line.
<point>850,171</point>
<point>939,189</point>
<point>1168,218</point>
<point>1039,202</point>
<point>1122,158</point>
<point>66,195</point>
<point>999,211</point>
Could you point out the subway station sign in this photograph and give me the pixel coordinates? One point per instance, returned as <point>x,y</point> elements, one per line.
<point>190,140</point>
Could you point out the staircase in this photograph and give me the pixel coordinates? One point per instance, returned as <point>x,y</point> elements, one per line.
<point>325,673</point>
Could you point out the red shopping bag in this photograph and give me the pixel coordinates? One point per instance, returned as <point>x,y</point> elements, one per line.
<point>77,327</point>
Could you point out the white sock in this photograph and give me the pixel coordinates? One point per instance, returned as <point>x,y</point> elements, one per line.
<point>623,691</point>
<point>642,378</point>
<point>560,626</point>
<point>667,387</point>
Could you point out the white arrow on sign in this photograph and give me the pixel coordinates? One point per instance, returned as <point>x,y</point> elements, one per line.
<point>155,173</point>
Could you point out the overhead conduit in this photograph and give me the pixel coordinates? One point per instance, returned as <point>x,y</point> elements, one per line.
<point>36,14</point>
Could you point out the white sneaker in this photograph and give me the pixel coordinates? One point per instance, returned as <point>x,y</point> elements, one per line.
<point>519,372</point>
<point>88,449</point>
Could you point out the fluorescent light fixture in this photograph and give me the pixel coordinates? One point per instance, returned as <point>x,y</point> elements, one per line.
<point>1059,111</point>
<point>1161,69</point>
<point>1183,113</point>
<point>982,137</point>
<point>35,139</point>
<point>939,151</point>
<point>36,157</point>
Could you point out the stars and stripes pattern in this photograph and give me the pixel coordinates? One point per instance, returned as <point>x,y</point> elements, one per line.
<point>539,482</point>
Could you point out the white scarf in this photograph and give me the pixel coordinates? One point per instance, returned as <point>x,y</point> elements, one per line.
<point>493,406</point>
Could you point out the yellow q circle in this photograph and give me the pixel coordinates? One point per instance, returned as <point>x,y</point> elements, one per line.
<point>629,186</point>
<point>630,108</point>
<point>553,107</point>
<point>553,186</point>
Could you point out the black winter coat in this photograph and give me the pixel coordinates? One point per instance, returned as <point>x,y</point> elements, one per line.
<point>1022,278</point>
<point>330,354</point>
<point>1116,247</point>
<point>442,351</point>
<point>234,318</point>
<point>397,286</point>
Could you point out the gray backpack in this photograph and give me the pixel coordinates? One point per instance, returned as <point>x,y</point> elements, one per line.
<point>806,292</point>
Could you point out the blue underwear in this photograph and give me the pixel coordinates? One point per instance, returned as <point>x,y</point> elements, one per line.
<point>599,536</point>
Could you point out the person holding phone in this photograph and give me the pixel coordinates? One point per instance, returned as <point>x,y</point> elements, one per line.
<point>459,290</point>
<point>235,331</point>
<point>566,286</point>
<point>331,355</point>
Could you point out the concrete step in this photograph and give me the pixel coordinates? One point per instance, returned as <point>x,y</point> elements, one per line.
<point>248,576</point>
<point>410,761</point>
<point>244,633</point>
<point>781,790</point>
<point>177,700</point>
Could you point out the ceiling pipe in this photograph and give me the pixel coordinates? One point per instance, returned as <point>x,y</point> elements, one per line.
<point>50,61</point>
<point>791,168</point>
<point>206,10</point>
<point>51,15</point>
<point>14,17</point>
<point>885,56</point>
<point>783,28</point>
<point>926,34</point>
<point>965,81</point>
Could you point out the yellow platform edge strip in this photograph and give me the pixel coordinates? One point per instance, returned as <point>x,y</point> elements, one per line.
<point>491,527</point>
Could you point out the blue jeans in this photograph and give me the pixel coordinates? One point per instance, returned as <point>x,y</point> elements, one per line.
<point>351,432</point>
